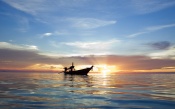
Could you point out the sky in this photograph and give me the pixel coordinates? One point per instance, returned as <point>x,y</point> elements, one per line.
<point>113,35</point>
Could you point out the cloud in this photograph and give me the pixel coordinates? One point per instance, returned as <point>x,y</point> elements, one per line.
<point>149,6</point>
<point>6,45</point>
<point>160,45</point>
<point>47,34</point>
<point>136,34</point>
<point>59,11</point>
<point>151,29</point>
<point>139,62</point>
<point>62,32</point>
<point>44,7</point>
<point>29,6</point>
<point>89,23</point>
<point>20,59</point>
<point>85,48</point>
<point>159,27</point>
<point>104,8</point>
<point>92,45</point>
<point>21,56</point>
<point>24,58</point>
<point>165,54</point>
<point>55,33</point>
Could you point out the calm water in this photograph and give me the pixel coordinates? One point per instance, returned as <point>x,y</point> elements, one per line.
<point>121,91</point>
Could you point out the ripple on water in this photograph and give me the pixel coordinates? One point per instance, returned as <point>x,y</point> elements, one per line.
<point>122,91</point>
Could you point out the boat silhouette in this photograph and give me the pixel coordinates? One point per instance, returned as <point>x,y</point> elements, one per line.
<point>71,70</point>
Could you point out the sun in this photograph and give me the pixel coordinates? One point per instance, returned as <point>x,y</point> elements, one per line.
<point>103,69</point>
<point>106,69</point>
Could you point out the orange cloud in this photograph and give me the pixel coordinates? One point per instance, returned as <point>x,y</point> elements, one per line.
<point>31,59</point>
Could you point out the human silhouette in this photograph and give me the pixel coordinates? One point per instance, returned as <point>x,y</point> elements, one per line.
<point>65,69</point>
<point>72,67</point>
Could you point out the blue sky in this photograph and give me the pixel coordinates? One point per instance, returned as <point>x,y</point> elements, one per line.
<point>89,27</point>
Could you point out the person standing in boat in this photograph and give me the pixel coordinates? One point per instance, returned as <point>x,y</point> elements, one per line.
<point>65,69</point>
<point>72,68</point>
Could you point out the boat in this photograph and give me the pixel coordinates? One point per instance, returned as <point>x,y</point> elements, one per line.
<point>84,71</point>
<point>72,71</point>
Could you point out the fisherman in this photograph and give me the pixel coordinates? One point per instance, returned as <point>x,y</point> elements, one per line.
<point>65,69</point>
<point>71,68</point>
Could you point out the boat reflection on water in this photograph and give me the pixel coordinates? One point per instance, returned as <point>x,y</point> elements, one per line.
<point>89,84</point>
<point>78,81</point>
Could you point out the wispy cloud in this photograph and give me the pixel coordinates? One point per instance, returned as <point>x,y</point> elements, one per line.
<point>46,34</point>
<point>148,6</point>
<point>36,7</point>
<point>85,48</point>
<point>55,33</point>
<point>60,10</point>
<point>6,45</point>
<point>136,34</point>
<point>151,29</point>
<point>92,45</point>
<point>159,27</point>
<point>29,6</point>
<point>89,23</point>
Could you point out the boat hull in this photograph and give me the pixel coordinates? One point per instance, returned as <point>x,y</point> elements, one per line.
<point>79,72</point>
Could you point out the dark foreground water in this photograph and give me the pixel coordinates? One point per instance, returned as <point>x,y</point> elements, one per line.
<point>121,91</point>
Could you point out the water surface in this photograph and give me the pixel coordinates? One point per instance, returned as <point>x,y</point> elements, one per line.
<point>121,91</point>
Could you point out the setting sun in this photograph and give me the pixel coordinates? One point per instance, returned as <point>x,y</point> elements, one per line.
<point>101,68</point>
<point>106,69</point>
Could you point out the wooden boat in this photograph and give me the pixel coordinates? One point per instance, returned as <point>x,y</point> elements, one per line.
<point>72,71</point>
<point>79,72</point>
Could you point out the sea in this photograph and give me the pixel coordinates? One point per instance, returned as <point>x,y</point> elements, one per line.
<point>98,91</point>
